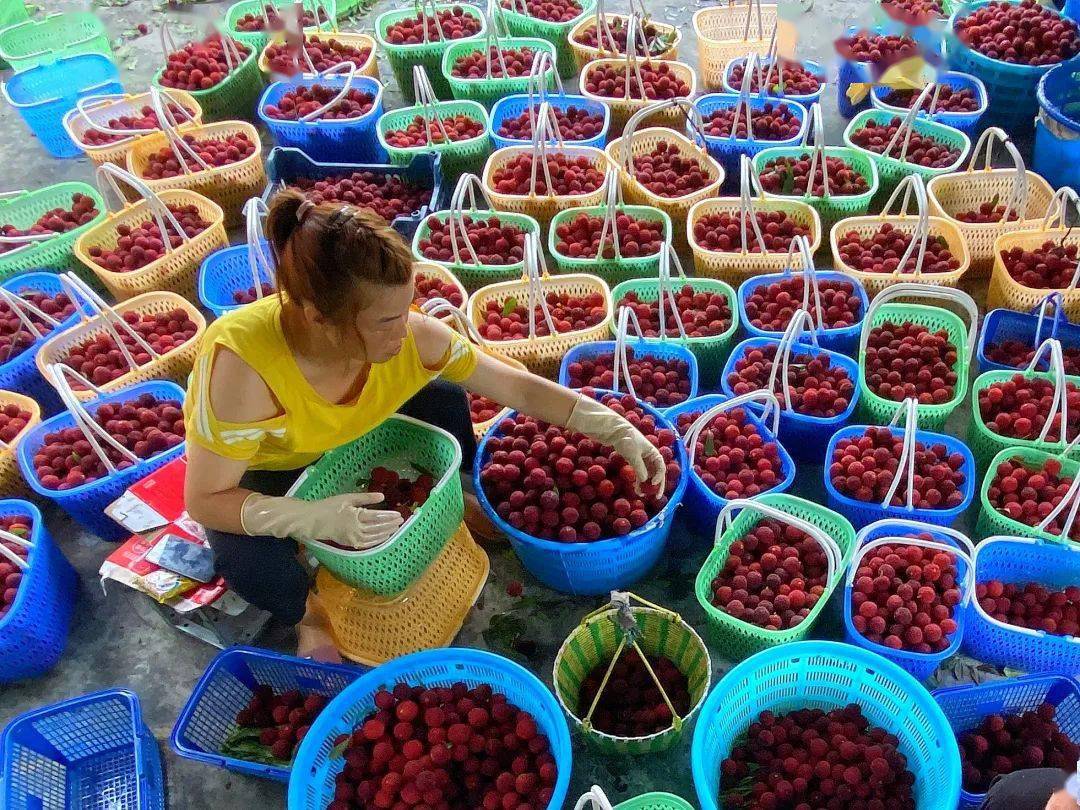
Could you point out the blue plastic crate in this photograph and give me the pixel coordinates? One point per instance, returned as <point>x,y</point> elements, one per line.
<point>828,675</point>
<point>312,784</point>
<point>1005,324</point>
<point>90,753</point>
<point>861,513</point>
<point>1057,139</point>
<point>966,122</point>
<point>513,106</point>
<point>44,94</point>
<point>728,151</point>
<point>589,569</point>
<point>209,716</point>
<point>225,272</point>
<point>284,165</point>
<point>86,503</point>
<point>1020,560</point>
<point>805,99</point>
<point>966,706</point>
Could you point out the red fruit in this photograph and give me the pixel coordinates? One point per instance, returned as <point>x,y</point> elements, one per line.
<point>731,457</point>
<point>580,237</point>
<point>257,20</point>
<point>15,338</point>
<point>248,296</point>
<point>770,306</point>
<point>301,101</point>
<point>631,705</point>
<point>201,65</point>
<point>922,149</point>
<point>723,232</point>
<point>1027,493</point>
<point>774,122</point>
<point>949,99</point>
<point>400,494</point>
<point>495,242</point>
<point>789,176</point>
<point>986,212</point>
<point>1022,33</point>
<point>514,589</point>
<point>881,252</point>
<point>388,195</point>
<point>482,409</point>
<point>491,64</point>
<point>420,131</point>
<point>914,12</point>
<point>657,43</point>
<point>141,245</point>
<point>817,387</point>
<point>877,49</point>
<point>569,175</point>
<point>557,11</point>
<point>659,80</point>
<point>221,151</point>
<point>568,313</point>
<point>324,52</point>
<point>1018,354</point>
<point>667,172</point>
<point>908,360</point>
<point>1018,408</point>
<point>452,23</point>
<point>1051,266</point>
<point>704,314</point>
<point>136,123</point>
<point>575,124</point>
<point>661,383</point>
<point>431,287</point>
<point>56,220</point>
<point>11,576</point>
<point>797,79</point>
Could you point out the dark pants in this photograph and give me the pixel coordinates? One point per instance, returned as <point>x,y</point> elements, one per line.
<point>1023,790</point>
<point>266,571</point>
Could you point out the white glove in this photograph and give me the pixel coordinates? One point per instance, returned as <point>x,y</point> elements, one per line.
<point>599,422</point>
<point>341,519</point>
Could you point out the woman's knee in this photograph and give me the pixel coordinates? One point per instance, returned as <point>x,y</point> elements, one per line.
<point>264,571</point>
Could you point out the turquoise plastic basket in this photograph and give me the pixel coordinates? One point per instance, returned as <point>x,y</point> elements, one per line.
<point>489,90</point>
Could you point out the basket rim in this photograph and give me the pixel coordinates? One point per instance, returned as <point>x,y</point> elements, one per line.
<point>752,283</point>
<point>994,317</point>
<point>928,126</point>
<point>458,46</point>
<point>358,82</point>
<point>711,205</point>
<point>947,229</point>
<point>711,165</point>
<point>587,7</point>
<point>810,65</point>
<point>130,99</point>
<point>688,71</point>
<point>647,212</point>
<point>155,140</point>
<point>15,285</point>
<point>528,223</point>
<point>393,15</point>
<point>1016,238</point>
<point>76,187</point>
<point>843,152</point>
<point>958,79</point>
<point>37,527</point>
<point>125,695</point>
<point>966,9</point>
<point>478,110</point>
<point>722,100</point>
<point>987,378</point>
<point>718,10</point>
<point>75,19</point>
<point>635,284</point>
<point>610,15</point>
<point>966,176</point>
<point>500,156</point>
<point>593,348</point>
<point>201,280</point>
<point>556,98</point>
<point>349,36</point>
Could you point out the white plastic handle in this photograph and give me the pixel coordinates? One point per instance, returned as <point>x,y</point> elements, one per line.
<point>909,412</point>
<point>596,798</point>
<point>967,552</point>
<point>423,5</point>
<point>693,114</point>
<point>534,276</point>
<point>438,307</point>
<point>258,261</point>
<point>109,177</point>
<point>911,186</point>
<point>985,146</point>
<point>349,69</point>
<point>781,364</point>
<point>915,526</point>
<point>177,144</point>
<point>767,398</point>
<point>468,185</point>
<point>665,293</point>
<point>19,307</point>
<point>907,126</point>
<point>15,559</point>
<point>1060,403</point>
<point>1057,210</point>
<point>816,130</point>
<point>547,127</point>
<point>620,363</point>
<point>612,205</point>
<point>913,290</point>
<point>86,424</point>
<point>79,290</point>
<point>810,277</point>
<point>747,211</point>
<point>1059,303</point>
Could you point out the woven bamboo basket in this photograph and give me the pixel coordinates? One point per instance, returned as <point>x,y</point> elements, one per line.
<point>726,32</point>
<point>433,270</point>
<point>624,108</point>
<point>12,483</point>
<point>583,54</point>
<point>352,39</point>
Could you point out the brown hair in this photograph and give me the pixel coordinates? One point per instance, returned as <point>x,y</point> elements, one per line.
<point>325,252</point>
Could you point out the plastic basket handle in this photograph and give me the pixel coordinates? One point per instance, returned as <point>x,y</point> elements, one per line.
<point>14,539</point>
<point>349,69</point>
<point>985,145</point>
<point>16,560</point>
<point>612,204</point>
<point>163,104</point>
<point>109,176</point>
<point>620,363</point>
<point>768,398</point>
<point>493,39</point>
<point>816,131</point>
<point>810,277</point>
<point>693,115</point>
<point>1071,495</point>
<point>781,363</point>
<point>596,798</point>
<point>751,7</point>
<point>258,262</point>
<point>743,102</point>
<point>664,291</point>
<point>907,127</point>
<point>84,105</point>
<point>177,144</point>
<point>536,85</point>
<point>421,6</point>
<point>90,429</point>
<point>547,126</point>
<point>1057,210</point>
<point>967,552</point>
<point>913,290</point>
<point>19,305</point>
<point>633,67</point>
<point>1059,316</point>
<point>909,413</point>
<point>468,184</point>
<point>747,212</point>
<point>533,261</point>
<point>437,307</point>
<point>916,526</point>
<point>912,186</point>
<point>79,290</point>
<point>1057,369</point>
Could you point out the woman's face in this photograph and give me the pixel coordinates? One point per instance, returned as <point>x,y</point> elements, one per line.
<point>383,323</point>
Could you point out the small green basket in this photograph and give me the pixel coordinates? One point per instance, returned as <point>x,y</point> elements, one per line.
<point>595,799</point>
<point>488,91</point>
<point>33,42</point>
<point>235,96</point>
<point>557,33</point>
<point>458,157</point>
<point>23,208</point>
<point>621,268</point>
<point>599,638</point>
<point>736,639</point>
<point>392,567</point>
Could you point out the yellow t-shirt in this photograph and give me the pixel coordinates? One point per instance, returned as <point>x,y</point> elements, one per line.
<point>309,424</point>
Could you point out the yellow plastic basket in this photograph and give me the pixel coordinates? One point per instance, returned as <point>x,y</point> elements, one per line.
<point>583,54</point>
<point>352,39</point>
<point>176,271</point>
<point>623,109</point>
<point>12,484</point>
<point>372,630</point>
<point>1016,188</point>
<point>727,32</point>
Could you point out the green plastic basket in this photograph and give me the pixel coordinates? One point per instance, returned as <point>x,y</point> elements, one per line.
<point>458,157</point>
<point>558,34</point>
<point>711,352</point>
<point>236,96</point>
<point>429,55</point>
<point>32,42</point>
<point>613,271</point>
<point>475,276</point>
<point>991,522</point>
<point>488,91</point>
<point>892,170</point>
<point>593,643</point>
<point>655,801</point>
<point>257,40</point>
<point>833,208</point>
<point>736,639</point>
<point>391,568</point>
<point>23,208</point>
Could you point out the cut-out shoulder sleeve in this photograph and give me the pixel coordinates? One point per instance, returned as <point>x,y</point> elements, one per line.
<point>442,350</point>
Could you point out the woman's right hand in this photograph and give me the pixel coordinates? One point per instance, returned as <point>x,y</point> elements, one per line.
<point>342,519</point>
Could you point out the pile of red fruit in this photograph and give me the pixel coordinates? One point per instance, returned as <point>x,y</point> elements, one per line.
<point>135,123</point>
<point>817,387</point>
<point>656,44</point>
<point>575,124</point>
<point>863,468</point>
<point>388,195</point>
<point>483,64</point>
<point>908,360</point>
<point>1033,606</point>
<point>324,53</point>
<point>1025,33</point>
<point>790,176</point>
<point>881,252</point>
<point>448,747</point>
<point>877,49</point>
<point>482,409</point>
<point>1049,267</point>
<point>231,148</point>
<point>658,381</point>
<point>797,80</point>
<point>922,149</point>
<point>56,220</point>
<point>658,80</point>
<point>703,314</point>
<point>667,172</point>
<point>573,489</point>
<point>949,99</point>
<point>10,573</point>
<point>495,242</point>
<point>453,23</point>
<point>731,457</point>
<point>13,421</point>
<point>1018,408</point>
<point>200,65</point>
<point>987,212</point>
<point>140,245</point>
<point>294,104</point>
<point>145,425</point>
<point>580,237</point>
<point>15,338</point>
<point>257,20</point>
<point>1028,494</point>
<point>427,288</point>
<point>904,597</point>
<point>557,11</point>
<point>402,495</point>
<point>570,313</point>
<point>773,122</point>
<point>1003,743</point>
<point>1018,353</point>
<point>101,361</point>
<point>723,231</point>
<point>914,12</point>
<point>275,723</point>
<point>631,705</point>
<point>812,758</point>
<point>421,131</point>
<point>769,307</point>
<point>249,295</point>
<point>569,175</point>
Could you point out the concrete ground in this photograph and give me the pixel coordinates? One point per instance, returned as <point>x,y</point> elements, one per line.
<point>118,639</point>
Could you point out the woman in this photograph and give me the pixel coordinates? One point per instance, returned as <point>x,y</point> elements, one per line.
<point>285,379</point>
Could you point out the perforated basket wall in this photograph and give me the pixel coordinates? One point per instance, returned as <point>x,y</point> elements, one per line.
<point>257,39</point>
<point>655,801</point>
<point>475,276</point>
<point>618,268</point>
<point>457,157</point>
<point>624,106</point>
<point>57,253</point>
<point>232,97</point>
<point>12,484</point>
<point>33,42</point>
<point>487,90</point>
<point>1008,293</point>
<point>636,348</point>
<point>353,39</point>
<point>720,37</point>
<point>557,33</point>
<point>224,273</point>
<point>728,150</point>
<point>583,54</point>
<point>1002,325</point>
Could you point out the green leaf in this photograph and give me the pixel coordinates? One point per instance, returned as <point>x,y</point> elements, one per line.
<point>244,744</point>
<point>503,631</point>
<point>994,201</point>
<point>788,184</point>
<point>710,444</point>
<point>340,746</point>
<point>509,306</point>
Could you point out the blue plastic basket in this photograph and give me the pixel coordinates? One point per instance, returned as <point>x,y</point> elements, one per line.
<point>1057,130</point>
<point>329,141</point>
<point>44,94</point>
<point>703,506</point>
<point>850,73</point>
<point>729,151</point>
<point>285,164</point>
<point>966,122</point>
<point>805,99</point>
<point>844,340</point>
<point>89,753</point>
<point>659,350</point>
<point>828,675</point>
<point>33,634</point>
<point>805,437</point>
<point>920,665</point>
<point>86,503</point>
<point>312,784</point>
<point>20,374</point>
<point>863,514</point>
<point>513,106</point>
<point>589,569</point>
<point>1021,560</point>
<point>224,272</point>
<point>1005,324</point>
<point>966,706</point>
<point>209,716</point>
